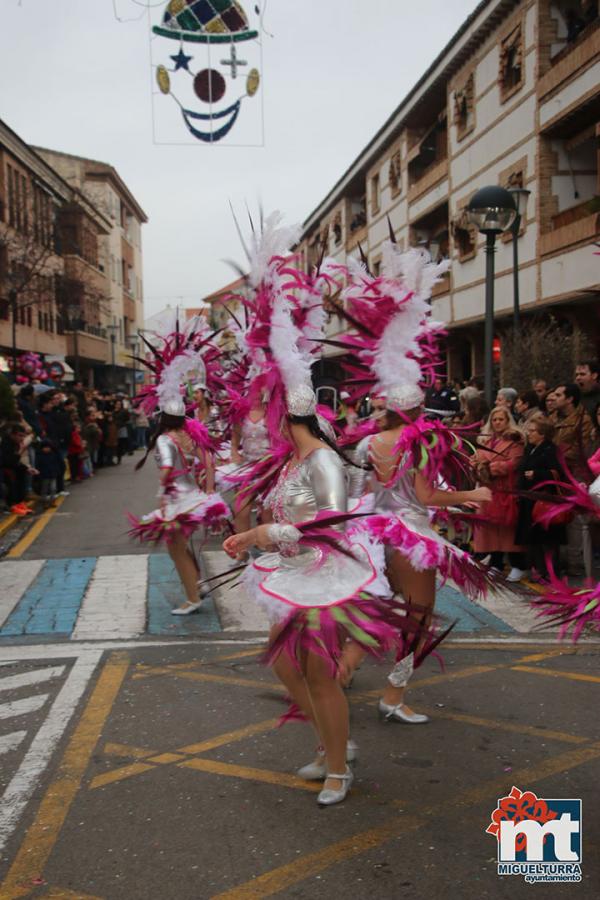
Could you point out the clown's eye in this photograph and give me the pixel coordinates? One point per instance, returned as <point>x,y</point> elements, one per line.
<point>209,85</point>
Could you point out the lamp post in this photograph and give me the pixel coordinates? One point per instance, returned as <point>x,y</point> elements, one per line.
<point>134,342</point>
<point>492,209</point>
<point>112,330</point>
<point>74,313</point>
<point>520,196</point>
<point>12,299</point>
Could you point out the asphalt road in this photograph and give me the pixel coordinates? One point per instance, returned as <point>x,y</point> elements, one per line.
<point>151,768</point>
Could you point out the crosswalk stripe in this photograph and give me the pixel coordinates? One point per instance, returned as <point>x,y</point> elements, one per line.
<point>16,578</point>
<point>11,682</point>
<point>22,707</point>
<point>11,741</point>
<point>114,604</point>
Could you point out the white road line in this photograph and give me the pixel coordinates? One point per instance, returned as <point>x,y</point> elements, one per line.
<point>11,741</point>
<point>25,780</point>
<point>16,576</point>
<point>22,707</point>
<point>11,682</point>
<point>236,611</point>
<point>115,602</point>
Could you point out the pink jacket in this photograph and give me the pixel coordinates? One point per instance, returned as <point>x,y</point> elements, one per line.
<point>594,463</point>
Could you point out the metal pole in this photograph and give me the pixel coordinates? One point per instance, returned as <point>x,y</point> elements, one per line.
<point>113,339</point>
<point>490,249</point>
<point>517,308</point>
<point>12,296</point>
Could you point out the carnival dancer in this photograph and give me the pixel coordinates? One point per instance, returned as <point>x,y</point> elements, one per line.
<point>317,585</point>
<point>415,551</point>
<point>395,343</point>
<point>184,453</point>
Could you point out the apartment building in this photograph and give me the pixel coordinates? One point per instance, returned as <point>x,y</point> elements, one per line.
<point>120,258</point>
<point>51,285</point>
<point>513,99</point>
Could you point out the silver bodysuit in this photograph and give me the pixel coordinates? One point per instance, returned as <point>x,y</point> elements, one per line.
<point>397,497</point>
<point>182,493</point>
<point>300,574</point>
<point>255,439</point>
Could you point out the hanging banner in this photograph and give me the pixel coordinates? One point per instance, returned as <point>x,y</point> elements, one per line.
<point>206,72</point>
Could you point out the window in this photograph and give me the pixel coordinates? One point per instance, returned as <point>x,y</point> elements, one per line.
<point>511,63</point>
<point>464,235</point>
<point>375,194</point>
<point>464,108</point>
<point>395,173</point>
<point>336,228</point>
<point>40,320</point>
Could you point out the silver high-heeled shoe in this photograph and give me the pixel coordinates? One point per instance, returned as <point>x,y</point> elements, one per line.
<point>186,610</point>
<point>398,714</point>
<point>328,797</point>
<point>317,770</point>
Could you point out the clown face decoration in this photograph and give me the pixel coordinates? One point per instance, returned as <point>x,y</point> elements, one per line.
<point>216,67</point>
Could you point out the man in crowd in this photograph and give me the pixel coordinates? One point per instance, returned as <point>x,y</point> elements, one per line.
<point>574,435</point>
<point>587,375</point>
<point>441,400</point>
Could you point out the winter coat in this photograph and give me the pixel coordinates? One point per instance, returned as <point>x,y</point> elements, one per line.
<point>47,460</point>
<point>574,437</point>
<point>503,455</point>
<point>544,463</point>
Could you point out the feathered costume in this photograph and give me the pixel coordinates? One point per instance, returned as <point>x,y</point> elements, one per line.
<point>319,584</point>
<point>182,359</point>
<point>394,341</point>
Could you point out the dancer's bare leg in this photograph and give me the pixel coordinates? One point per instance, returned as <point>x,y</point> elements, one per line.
<point>418,587</point>
<point>186,568</point>
<point>331,715</point>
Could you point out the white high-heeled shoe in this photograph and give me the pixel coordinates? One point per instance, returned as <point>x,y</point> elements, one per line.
<point>328,796</point>
<point>186,610</point>
<point>317,770</point>
<point>398,714</point>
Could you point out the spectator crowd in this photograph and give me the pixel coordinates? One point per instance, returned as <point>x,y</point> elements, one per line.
<point>61,436</point>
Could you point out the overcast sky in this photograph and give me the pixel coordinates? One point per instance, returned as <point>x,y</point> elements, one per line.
<point>74,78</point>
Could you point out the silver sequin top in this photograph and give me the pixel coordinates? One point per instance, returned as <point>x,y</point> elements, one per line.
<point>186,466</point>
<point>396,497</point>
<point>255,439</point>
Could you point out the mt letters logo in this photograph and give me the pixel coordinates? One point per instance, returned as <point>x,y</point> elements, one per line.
<point>539,839</point>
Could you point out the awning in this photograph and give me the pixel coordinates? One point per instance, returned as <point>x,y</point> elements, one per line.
<point>69,374</point>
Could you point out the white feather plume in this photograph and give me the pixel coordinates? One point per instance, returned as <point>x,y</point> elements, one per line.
<point>274,240</point>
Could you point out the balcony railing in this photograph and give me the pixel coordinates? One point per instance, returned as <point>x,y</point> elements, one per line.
<point>572,58</point>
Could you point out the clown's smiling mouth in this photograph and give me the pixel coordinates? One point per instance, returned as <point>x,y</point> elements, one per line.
<point>209,136</point>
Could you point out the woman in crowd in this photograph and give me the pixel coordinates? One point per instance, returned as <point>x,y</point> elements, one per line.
<point>539,464</point>
<point>496,464</point>
<point>526,406</point>
<point>122,420</point>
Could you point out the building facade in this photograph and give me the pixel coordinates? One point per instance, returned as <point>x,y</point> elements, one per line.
<point>50,281</point>
<point>514,100</point>
<point>119,260</point>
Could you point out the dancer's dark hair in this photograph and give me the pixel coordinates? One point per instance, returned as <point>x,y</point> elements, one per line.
<point>166,423</point>
<point>313,425</point>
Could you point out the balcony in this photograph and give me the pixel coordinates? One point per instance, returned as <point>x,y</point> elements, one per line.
<point>129,310</point>
<point>573,226</point>
<point>358,236</point>
<point>571,59</point>
<point>428,179</point>
<point>84,345</point>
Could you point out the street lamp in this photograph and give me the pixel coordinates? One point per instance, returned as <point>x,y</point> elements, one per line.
<point>112,330</point>
<point>520,196</point>
<point>492,209</point>
<point>74,314</point>
<point>134,342</point>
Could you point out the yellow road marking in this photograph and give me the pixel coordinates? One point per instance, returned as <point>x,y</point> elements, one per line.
<point>8,523</point>
<point>548,654</point>
<point>220,768</point>
<point>143,670</point>
<point>230,737</point>
<point>286,876</point>
<point>500,725</point>
<point>119,774</point>
<point>61,894</point>
<point>128,771</point>
<point>557,673</point>
<point>218,679</point>
<point>34,532</point>
<point>43,833</point>
<point>126,750</point>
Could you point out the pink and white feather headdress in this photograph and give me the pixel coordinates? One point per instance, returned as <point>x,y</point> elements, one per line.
<point>393,336</point>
